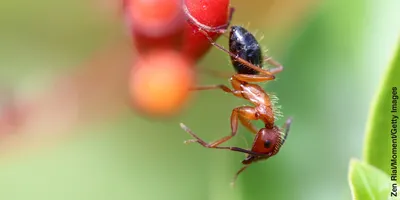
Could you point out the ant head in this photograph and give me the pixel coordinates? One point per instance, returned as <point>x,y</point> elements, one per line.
<point>267,142</point>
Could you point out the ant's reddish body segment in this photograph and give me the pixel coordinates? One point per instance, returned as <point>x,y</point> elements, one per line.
<point>246,57</point>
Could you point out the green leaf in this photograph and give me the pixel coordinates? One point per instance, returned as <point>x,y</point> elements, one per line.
<point>368,182</point>
<point>378,142</point>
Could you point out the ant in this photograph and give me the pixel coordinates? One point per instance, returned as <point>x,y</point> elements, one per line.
<point>247,60</point>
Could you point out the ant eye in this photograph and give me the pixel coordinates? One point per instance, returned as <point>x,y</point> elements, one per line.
<point>267,144</point>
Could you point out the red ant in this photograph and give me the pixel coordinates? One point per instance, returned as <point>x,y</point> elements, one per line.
<point>246,57</point>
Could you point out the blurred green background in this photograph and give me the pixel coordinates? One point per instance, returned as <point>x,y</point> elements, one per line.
<point>334,53</point>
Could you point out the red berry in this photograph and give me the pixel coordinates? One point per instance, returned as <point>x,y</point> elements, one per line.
<point>203,13</point>
<point>212,13</point>
<point>166,36</point>
<point>160,81</point>
<point>155,23</point>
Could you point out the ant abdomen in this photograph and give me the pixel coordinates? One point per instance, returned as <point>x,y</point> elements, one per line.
<point>244,44</point>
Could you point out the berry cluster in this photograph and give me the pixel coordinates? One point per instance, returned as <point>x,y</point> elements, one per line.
<point>168,42</point>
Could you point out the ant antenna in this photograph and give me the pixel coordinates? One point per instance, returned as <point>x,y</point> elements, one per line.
<point>237,174</point>
<point>286,127</point>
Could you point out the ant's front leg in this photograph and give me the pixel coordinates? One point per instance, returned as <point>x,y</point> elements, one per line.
<point>205,144</point>
<point>240,111</point>
<point>246,123</point>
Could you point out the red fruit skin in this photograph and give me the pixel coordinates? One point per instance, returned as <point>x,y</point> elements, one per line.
<point>160,83</point>
<point>203,14</point>
<point>144,43</point>
<point>211,13</point>
<point>155,23</point>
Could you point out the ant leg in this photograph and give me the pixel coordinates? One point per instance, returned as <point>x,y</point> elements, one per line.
<point>279,67</point>
<point>240,111</point>
<point>237,114</point>
<point>218,74</point>
<point>237,174</point>
<point>205,144</point>
<point>225,88</point>
<point>231,11</point>
<point>250,113</point>
<point>246,123</point>
<point>253,77</point>
<point>222,29</point>
<point>286,128</point>
<point>234,127</point>
<point>212,87</point>
<point>236,57</point>
<point>237,93</point>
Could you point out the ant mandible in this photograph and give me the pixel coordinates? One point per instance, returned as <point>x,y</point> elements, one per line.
<point>246,58</point>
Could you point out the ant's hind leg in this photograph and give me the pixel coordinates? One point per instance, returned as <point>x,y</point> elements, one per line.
<point>222,29</point>
<point>253,78</point>
<point>219,74</point>
<point>218,29</point>
<point>278,67</point>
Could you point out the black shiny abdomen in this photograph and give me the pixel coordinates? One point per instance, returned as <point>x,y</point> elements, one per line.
<point>245,45</point>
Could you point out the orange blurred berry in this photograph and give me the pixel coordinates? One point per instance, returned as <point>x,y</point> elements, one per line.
<point>160,81</point>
